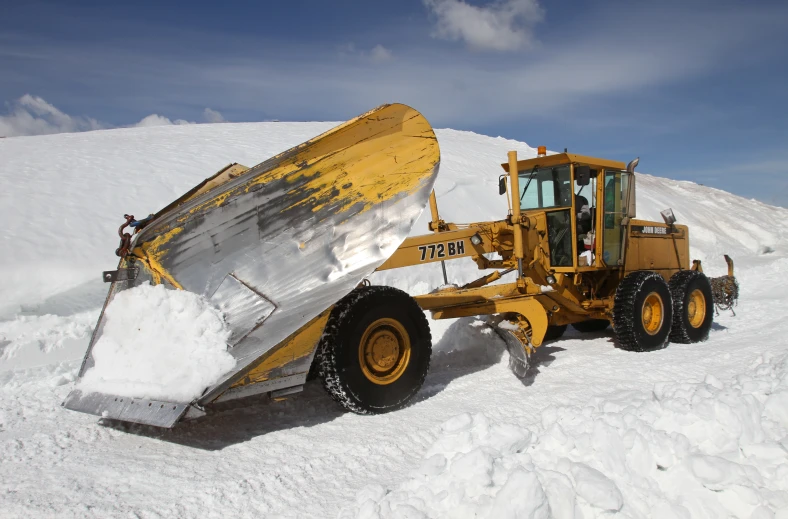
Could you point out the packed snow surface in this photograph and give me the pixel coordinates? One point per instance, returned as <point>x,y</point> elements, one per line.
<point>159,344</point>
<point>689,431</point>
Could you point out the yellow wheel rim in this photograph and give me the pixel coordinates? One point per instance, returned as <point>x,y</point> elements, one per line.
<point>653,313</point>
<point>384,351</point>
<point>696,308</point>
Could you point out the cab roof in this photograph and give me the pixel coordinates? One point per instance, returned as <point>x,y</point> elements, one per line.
<point>565,158</point>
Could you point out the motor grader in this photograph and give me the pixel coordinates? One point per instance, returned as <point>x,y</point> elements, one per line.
<point>285,248</point>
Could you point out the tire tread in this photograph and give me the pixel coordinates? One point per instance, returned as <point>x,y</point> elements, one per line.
<point>624,310</point>
<point>346,310</point>
<point>679,284</point>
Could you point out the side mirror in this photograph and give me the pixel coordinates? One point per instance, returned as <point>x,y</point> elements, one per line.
<point>502,185</point>
<point>582,175</point>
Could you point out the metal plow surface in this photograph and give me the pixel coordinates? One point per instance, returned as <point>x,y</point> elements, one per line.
<point>276,245</point>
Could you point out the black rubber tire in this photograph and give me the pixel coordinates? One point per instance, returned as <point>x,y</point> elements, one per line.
<point>682,284</point>
<point>338,352</point>
<point>591,326</point>
<point>628,307</point>
<point>554,332</point>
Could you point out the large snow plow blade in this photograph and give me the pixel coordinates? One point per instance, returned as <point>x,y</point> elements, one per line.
<point>276,245</point>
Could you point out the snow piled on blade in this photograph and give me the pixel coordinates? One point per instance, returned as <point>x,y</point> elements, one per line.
<point>159,344</point>
<point>703,449</point>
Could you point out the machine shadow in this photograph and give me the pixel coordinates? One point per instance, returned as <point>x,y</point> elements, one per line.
<point>244,420</point>
<point>469,345</point>
<point>541,358</point>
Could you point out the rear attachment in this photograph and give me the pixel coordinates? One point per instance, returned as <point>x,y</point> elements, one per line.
<point>725,289</point>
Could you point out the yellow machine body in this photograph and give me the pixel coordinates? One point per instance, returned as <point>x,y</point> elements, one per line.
<point>543,291</point>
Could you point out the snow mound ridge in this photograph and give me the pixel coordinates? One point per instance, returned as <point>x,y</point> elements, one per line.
<point>76,188</point>
<point>703,449</point>
<point>159,344</point>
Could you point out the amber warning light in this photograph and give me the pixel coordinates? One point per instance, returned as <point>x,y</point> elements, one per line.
<point>541,151</point>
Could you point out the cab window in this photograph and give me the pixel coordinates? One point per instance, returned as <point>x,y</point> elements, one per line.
<point>544,188</point>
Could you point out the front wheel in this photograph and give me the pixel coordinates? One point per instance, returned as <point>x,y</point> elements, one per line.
<point>375,350</point>
<point>642,312</point>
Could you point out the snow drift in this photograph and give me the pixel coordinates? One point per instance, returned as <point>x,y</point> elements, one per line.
<point>75,195</point>
<point>686,431</point>
<point>707,449</point>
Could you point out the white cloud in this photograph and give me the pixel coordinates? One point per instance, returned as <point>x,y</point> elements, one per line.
<point>504,25</point>
<point>379,54</point>
<point>209,116</point>
<point>31,115</point>
<point>158,120</point>
<point>213,116</point>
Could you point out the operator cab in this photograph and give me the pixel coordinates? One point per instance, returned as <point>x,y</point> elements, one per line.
<point>570,190</point>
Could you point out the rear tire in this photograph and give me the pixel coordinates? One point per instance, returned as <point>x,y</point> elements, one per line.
<point>375,351</point>
<point>642,312</point>
<point>692,306</point>
<point>554,332</point>
<point>592,325</point>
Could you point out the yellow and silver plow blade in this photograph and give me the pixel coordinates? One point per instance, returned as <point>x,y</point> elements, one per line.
<point>276,245</point>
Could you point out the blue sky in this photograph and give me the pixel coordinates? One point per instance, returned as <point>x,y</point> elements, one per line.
<point>697,89</point>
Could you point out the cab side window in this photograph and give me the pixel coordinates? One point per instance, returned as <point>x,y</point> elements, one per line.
<point>615,206</point>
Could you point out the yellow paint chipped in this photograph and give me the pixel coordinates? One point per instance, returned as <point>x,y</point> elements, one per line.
<point>385,153</point>
<point>151,254</point>
<point>216,201</point>
<point>382,154</point>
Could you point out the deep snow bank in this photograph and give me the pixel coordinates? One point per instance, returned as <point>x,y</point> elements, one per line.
<point>159,344</point>
<point>63,198</point>
<point>699,450</point>
<point>76,192</point>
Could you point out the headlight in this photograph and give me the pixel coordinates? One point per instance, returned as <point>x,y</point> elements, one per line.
<point>476,239</point>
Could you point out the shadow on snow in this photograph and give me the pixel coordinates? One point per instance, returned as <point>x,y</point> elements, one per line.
<point>468,346</point>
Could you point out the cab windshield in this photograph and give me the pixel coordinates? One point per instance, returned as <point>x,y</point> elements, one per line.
<point>542,188</point>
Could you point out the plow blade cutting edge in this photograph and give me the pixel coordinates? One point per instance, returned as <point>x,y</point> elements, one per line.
<point>276,245</point>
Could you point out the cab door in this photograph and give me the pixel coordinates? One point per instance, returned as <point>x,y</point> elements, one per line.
<point>556,193</point>
<point>616,190</point>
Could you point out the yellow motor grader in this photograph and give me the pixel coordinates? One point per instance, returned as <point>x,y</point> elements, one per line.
<point>284,249</point>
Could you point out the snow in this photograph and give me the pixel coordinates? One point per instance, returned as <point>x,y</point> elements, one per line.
<point>159,344</point>
<point>689,431</point>
<point>704,449</point>
<point>41,337</point>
